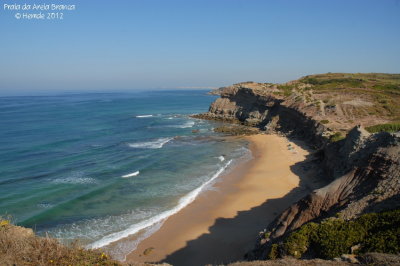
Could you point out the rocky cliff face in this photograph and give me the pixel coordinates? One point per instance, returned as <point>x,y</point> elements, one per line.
<point>263,106</point>
<point>364,168</point>
<point>370,183</point>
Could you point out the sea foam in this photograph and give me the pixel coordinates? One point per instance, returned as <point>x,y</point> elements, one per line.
<point>187,124</point>
<point>155,144</point>
<point>143,116</point>
<point>131,174</point>
<point>75,178</point>
<point>135,228</point>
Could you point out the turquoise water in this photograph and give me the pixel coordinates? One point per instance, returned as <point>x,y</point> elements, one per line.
<point>101,166</point>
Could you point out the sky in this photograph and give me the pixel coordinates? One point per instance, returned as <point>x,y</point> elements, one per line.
<point>155,44</point>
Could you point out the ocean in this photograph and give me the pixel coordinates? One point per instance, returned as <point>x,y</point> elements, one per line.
<point>98,167</point>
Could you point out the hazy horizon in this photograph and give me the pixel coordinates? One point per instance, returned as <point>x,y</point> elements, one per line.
<point>154,44</point>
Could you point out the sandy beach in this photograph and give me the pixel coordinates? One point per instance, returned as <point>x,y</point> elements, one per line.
<point>222,224</point>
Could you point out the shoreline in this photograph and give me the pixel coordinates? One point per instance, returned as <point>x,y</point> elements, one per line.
<point>222,223</point>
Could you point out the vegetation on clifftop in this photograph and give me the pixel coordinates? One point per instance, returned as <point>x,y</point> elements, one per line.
<point>336,101</point>
<point>373,232</point>
<point>376,81</point>
<point>376,93</point>
<point>341,101</point>
<point>390,127</point>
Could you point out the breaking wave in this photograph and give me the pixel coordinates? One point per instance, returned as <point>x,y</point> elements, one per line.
<point>131,174</point>
<point>135,228</point>
<point>155,144</point>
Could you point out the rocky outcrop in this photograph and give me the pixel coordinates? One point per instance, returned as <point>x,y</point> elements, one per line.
<point>242,103</point>
<point>373,178</point>
<point>263,106</point>
<point>363,168</point>
<point>369,182</point>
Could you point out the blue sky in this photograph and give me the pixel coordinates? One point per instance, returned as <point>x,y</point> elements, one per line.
<point>148,44</point>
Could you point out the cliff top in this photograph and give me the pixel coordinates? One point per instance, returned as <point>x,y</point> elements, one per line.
<point>340,101</point>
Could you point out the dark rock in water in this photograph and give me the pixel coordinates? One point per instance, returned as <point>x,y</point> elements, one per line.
<point>195,131</point>
<point>237,130</point>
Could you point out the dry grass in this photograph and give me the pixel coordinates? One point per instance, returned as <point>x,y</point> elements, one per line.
<point>363,98</point>
<point>20,246</point>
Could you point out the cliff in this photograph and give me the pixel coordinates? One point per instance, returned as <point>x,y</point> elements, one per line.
<point>370,183</point>
<point>314,108</point>
<point>329,112</point>
<point>261,105</point>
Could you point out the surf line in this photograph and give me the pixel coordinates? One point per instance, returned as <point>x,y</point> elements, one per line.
<point>161,217</point>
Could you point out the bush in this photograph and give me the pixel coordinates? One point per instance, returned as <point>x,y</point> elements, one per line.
<point>273,252</point>
<point>387,87</point>
<point>375,232</point>
<point>337,136</point>
<point>336,237</point>
<point>324,121</point>
<point>298,243</point>
<point>287,89</point>
<point>390,127</point>
<point>335,82</point>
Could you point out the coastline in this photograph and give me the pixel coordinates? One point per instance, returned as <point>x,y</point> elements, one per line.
<point>222,224</point>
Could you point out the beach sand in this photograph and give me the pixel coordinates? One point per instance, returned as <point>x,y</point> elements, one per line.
<point>222,224</point>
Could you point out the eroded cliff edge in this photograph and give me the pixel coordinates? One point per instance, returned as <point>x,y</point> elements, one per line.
<point>329,112</point>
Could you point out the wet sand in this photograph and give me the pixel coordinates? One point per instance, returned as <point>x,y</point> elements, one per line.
<point>222,224</point>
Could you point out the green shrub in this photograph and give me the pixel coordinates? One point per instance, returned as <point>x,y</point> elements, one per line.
<point>298,243</point>
<point>389,87</point>
<point>287,89</point>
<point>324,121</point>
<point>335,82</point>
<point>273,252</point>
<point>337,136</point>
<point>375,232</point>
<point>336,237</point>
<point>390,127</point>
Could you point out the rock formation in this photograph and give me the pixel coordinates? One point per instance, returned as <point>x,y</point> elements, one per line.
<point>363,168</point>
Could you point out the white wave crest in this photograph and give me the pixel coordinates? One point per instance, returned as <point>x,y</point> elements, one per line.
<point>221,158</point>
<point>155,144</point>
<point>131,174</point>
<point>143,116</point>
<point>133,229</point>
<point>125,247</point>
